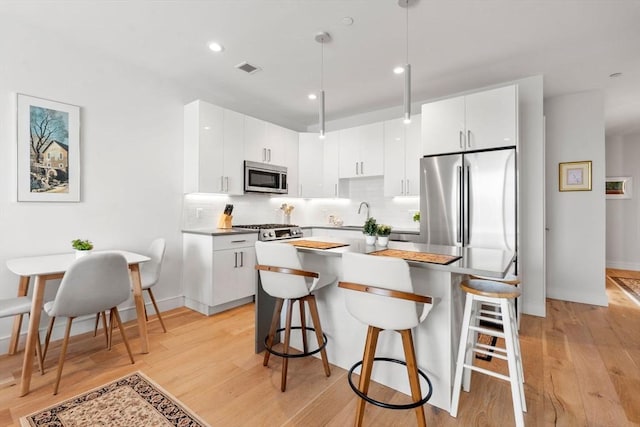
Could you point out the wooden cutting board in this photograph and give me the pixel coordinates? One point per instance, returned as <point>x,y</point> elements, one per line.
<point>418,256</point>
<point>312,244</point>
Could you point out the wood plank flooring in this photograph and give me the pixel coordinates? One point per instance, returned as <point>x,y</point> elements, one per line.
<point>581,362</point>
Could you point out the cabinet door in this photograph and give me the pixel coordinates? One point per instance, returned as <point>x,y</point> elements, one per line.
<point>394,157</point>
<point>255,139</point>
<point>310,162</point>
<point>349,153</point>
<point>275,145</point>
<point>245,274</point>
<point>491,118</point>
<point>443,126</point>
<point>203,147</point>
<point>371,148</point>
<point>233,176</point>
<point>224,276</point>
<point>331,165</point>
<point>290,150</point>
<point>413,154</point>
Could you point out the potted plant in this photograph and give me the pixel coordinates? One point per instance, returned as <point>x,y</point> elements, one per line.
<point>416,217</point>
<point>82,247</point>
<point>383,234</point>
<point>370,230</point>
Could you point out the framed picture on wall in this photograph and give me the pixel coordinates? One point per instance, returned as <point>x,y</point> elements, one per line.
<point>575,176</point>
<point>618,187</point>
<point>48,150</point>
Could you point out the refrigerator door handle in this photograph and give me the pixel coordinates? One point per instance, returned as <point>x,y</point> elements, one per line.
<point>467,228</point>
<point>459,203</point>
<point>461,139</point>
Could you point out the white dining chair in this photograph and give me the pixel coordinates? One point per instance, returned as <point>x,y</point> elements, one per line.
<point>150,272</point>
<point>92,284</point>
<point>19,306</point>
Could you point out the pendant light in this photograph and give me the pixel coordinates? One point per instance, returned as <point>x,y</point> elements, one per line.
<point>322,38</point>
<point>407,67</point>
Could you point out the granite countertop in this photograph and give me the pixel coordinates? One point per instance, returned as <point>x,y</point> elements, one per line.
<point>477,261</point>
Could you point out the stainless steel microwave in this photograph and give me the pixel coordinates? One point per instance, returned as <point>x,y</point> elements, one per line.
<point>265,178</point>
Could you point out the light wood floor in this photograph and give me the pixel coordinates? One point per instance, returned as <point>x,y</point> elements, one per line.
<point>582,368</point>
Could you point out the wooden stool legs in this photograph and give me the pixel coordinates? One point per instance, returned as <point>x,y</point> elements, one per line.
<point>273,329</point>
<point>367,367</point>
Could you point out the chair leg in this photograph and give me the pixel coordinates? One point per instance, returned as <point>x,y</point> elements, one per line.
<point>462,350</point>
<point>39,355</point>
<point>365,372</point>
<point>110,337</point>
<point>116,316</point>
<point>285,349</point>
<point>412,371</point>
<point>303,325</point>
<point>155,307</point>
<point>47,338</point>
<point>517,391</point>
<point>95,327</point>
<point>313,310</point>
<point>63,353</point>
<point>272,329</point>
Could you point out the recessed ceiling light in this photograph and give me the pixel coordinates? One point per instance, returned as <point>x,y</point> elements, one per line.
<point>614,75</point>
<point>216,47</point>
<point>398,70</point>
<point>312,96</point>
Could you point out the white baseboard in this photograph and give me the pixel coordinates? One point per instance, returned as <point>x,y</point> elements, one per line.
<point>85,324</point>
<point>623,265</point>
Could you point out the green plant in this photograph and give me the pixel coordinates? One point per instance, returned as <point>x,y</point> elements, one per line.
<point>81,245</point>
<point>384,230</point>
<point>416,217</point>
<point>370,227</point>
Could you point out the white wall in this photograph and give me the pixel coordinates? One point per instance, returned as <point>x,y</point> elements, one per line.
<point>131,155</point>
<point>623,215</point>
<point>576,219</point>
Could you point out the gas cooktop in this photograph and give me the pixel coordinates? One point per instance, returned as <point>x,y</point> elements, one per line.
<point>268,232</point>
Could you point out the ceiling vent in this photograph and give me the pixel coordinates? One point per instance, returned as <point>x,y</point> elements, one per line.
<point>247,68</point>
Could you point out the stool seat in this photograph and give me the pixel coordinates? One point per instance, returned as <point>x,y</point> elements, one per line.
<point>489,288</point>
<point>509,279</point>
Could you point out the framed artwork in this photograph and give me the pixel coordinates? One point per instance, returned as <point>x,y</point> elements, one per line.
<point>575,176</point>
<point>618,187</point>
<point>48,150</point>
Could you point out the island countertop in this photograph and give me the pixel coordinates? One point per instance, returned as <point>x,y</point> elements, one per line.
<point>477,261</point>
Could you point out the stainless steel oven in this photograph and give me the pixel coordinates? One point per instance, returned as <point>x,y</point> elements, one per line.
<point>265,178</point>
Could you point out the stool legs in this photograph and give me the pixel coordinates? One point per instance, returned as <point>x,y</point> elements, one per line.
<point>287,337</point>
<point>462,355</point>
<point>412,371</point>
<point>365,372</point>
<point>272,329</point>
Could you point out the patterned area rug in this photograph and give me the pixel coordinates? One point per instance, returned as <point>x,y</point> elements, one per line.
<point>630,286</point>
<point>134,400</point>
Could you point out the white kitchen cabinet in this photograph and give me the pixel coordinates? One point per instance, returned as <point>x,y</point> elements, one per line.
<point>331,165</point>
<point>361,151</point>
<point>290,158</point>
<point>311,160</point>
<point>481,120</point>
<point>402,153</point>
<point>255,140</point>
<point>218,271</point>
<point>213,149</point>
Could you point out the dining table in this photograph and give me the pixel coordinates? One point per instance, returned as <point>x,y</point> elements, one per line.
<point>51,267</point>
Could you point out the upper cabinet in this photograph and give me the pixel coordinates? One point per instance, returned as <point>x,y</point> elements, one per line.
<point>331,166</point>
<point>319,155</point>
<point>487,119</point>
<point>361,150</point>
<point>213,149</point>
<point>402,153</point>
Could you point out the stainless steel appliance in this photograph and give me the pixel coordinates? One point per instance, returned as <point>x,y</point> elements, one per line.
<point>469,199</point>
<point>268,232</point>
<point>265,178</point>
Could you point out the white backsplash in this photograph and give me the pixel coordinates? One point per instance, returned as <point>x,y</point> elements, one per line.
<point>203,210</point>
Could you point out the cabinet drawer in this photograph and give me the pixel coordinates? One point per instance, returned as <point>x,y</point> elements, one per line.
<point>234,241</point>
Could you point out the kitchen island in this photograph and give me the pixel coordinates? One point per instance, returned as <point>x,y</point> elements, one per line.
<point>436,339</point>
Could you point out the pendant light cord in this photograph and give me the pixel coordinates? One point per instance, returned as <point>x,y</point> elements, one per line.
<point>407,32</point>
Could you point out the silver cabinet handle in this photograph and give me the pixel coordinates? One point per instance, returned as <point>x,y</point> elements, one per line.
<point>335,190</point>
<point>461,139</point>
<point>264,154</point>
<point>468,138</point>
<point>407,192</point>
<point>401,186</point>
<point>356,168</point>
<point>269,151</point>
<point>221,185</point>
<point>226,178</point>
<point>361,168</point>
<point>236,260</point>
<point>242,259</point>
<point>238,241</point>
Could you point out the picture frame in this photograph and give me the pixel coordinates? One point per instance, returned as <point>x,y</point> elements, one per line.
<point>618,187</point>
<point>48,150</point>
<point>575,176</point>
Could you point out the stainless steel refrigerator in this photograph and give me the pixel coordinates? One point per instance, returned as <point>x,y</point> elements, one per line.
<point>469,199</point>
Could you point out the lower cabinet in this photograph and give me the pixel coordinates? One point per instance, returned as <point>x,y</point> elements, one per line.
<point>218,271</point>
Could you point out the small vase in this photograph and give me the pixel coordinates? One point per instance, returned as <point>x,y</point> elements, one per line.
<point>370,240</point>
<point>80,254</point>
<point>383,240</point>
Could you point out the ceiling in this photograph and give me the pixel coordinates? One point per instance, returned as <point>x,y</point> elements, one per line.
<point>454,46</point>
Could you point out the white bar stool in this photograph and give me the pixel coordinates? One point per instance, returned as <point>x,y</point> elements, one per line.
<point>380,295</point>
<point>481,292</point>
<point>509,279</point>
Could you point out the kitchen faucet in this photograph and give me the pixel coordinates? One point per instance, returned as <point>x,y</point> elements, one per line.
<point>367,206</point>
